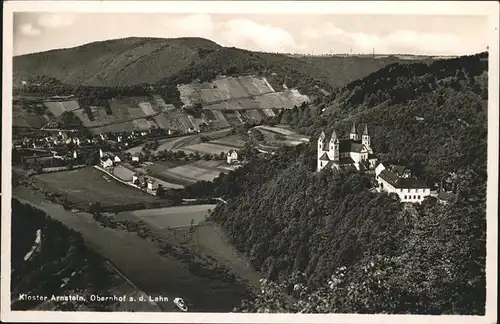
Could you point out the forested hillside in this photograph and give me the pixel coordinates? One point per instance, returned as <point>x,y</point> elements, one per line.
<point>59,264</point>
<point>360,251</point>
<point>119,62</point>
<point>164,63</point>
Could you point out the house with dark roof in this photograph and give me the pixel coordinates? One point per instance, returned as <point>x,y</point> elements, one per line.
<point>397,179</point>
<point>337,153</point>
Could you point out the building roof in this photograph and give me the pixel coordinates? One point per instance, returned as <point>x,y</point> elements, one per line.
<point>324,157</point>
<point>389,176</point>
<point>398,169</point>
<point>346,160</point>
<point>403,183</point>
<point>353,128</point>
<point>348,145</point>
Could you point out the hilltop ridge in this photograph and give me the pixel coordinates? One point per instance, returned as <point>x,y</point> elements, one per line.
<point>138,60</point>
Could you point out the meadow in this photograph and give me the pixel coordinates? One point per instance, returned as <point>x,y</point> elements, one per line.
<point>87,185</point>
<point>171,217</point>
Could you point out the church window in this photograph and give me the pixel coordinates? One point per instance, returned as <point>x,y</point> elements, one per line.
<point>405,197</point>
<point>414,197</point>
<point>418,197</point>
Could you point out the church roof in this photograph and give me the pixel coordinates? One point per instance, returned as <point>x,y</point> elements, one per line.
<point>348,145</point>
<point>346,160</point>
<point>324,157</point>
<point>353,128</point>
<point>365,131</point>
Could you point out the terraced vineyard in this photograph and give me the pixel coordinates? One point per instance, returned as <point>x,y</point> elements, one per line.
<point>179,121</point>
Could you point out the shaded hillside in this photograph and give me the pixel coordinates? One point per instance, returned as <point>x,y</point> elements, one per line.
<point>119,62</point>
<point>352,67</point>
<point>360,251</point>
<point>133,61</point>
<point>60,264</point>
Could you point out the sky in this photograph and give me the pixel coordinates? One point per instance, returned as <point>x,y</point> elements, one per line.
<point>287,33</point>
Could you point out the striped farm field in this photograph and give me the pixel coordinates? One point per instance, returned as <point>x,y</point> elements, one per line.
<point>190,173</point>
<point>194,172</point>
<point>278,130</point>
<point>206,148</point>
<point>231,141</point>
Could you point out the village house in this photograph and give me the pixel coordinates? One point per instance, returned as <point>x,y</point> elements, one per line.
<point>106,162</point>
<point>232,157</point>
<point>399,180</point>
<point>337,153</point>
<point>136,157</point>
<point>152,185</point>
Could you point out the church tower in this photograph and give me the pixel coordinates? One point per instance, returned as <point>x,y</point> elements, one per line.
<point>334,151</point>
<point>365,137</point>
<point>353,135</point>
<point>321,141</point>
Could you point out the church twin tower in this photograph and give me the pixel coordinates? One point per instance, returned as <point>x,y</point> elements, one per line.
<point>352,151</point>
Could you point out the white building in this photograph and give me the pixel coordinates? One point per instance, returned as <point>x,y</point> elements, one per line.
<point>397,179</point>
<point>152,185</point>
<point>232,157</point>
<point>336,153</point>
<point>135,157</point>
<point>106,163</point>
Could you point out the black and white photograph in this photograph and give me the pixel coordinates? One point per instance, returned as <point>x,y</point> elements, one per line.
<point>249,162</point>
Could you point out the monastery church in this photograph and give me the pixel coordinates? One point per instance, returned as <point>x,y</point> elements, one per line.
<point>336,153</point>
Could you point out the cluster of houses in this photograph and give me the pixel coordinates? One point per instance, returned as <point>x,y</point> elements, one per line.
<point>356,151</point>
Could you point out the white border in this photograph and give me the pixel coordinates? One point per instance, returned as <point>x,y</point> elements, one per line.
<point>484,8</point>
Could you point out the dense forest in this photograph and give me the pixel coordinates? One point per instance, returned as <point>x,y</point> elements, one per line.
<point>327,243</point>
<point>61,264</point>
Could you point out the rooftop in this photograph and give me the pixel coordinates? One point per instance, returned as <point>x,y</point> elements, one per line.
<point>398,182</point>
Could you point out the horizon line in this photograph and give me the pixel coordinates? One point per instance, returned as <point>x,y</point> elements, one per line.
<point>373,53</point>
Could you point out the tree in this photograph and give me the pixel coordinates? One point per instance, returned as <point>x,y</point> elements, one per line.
<point>160,192</point>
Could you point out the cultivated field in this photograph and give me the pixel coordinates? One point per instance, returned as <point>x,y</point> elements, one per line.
<point>233,141</point>
<point>206,148</point>
<point>291,135</point>
<point>190,173</point>
<point>22,118</point>
<point>289,138</point>
<point>90,185</point>
<point>210,238</point>
<point>171,217</point>
<point>59,107</point>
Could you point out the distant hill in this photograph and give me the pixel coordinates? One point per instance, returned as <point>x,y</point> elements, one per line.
<point>117,62</point>
<point>132,61</point>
